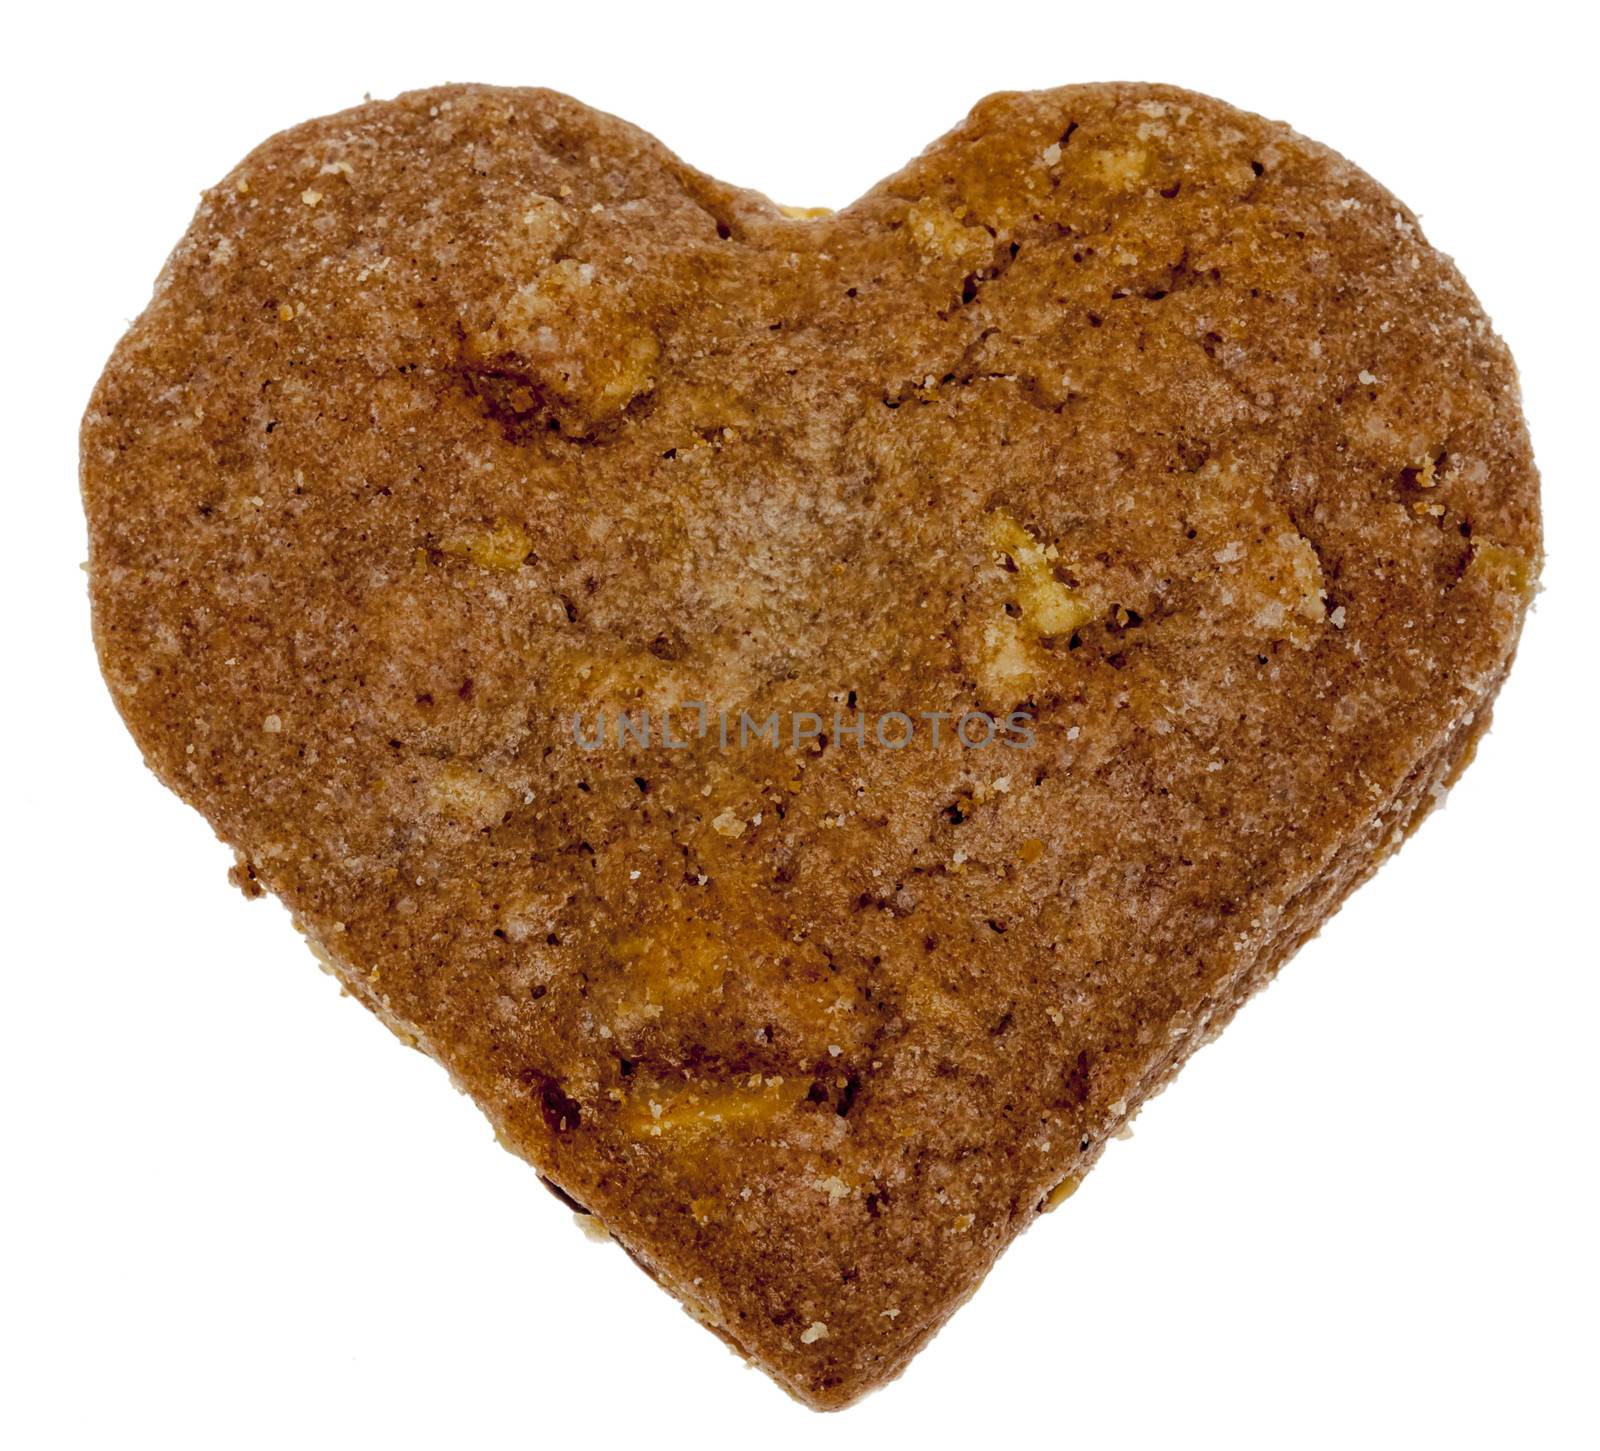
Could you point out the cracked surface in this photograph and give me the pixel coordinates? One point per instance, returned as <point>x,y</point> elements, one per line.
<point>456,415</point>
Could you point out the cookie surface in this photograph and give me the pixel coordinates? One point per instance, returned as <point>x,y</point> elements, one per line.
<point>1142,428</point>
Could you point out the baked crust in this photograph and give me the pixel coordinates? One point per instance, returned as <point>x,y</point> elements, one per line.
<point>458,415</point>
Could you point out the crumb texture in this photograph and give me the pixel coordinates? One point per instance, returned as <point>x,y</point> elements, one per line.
<point>455,416</point>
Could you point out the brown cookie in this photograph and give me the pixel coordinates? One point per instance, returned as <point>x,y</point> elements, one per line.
<point>1143,430</point>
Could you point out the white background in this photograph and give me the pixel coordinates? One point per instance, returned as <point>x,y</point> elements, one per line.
<point>235,1213</point>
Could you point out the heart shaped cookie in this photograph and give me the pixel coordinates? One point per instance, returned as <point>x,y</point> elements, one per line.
<point>810,717</point>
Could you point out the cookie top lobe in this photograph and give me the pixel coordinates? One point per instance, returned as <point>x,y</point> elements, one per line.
<point>459,417</point>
